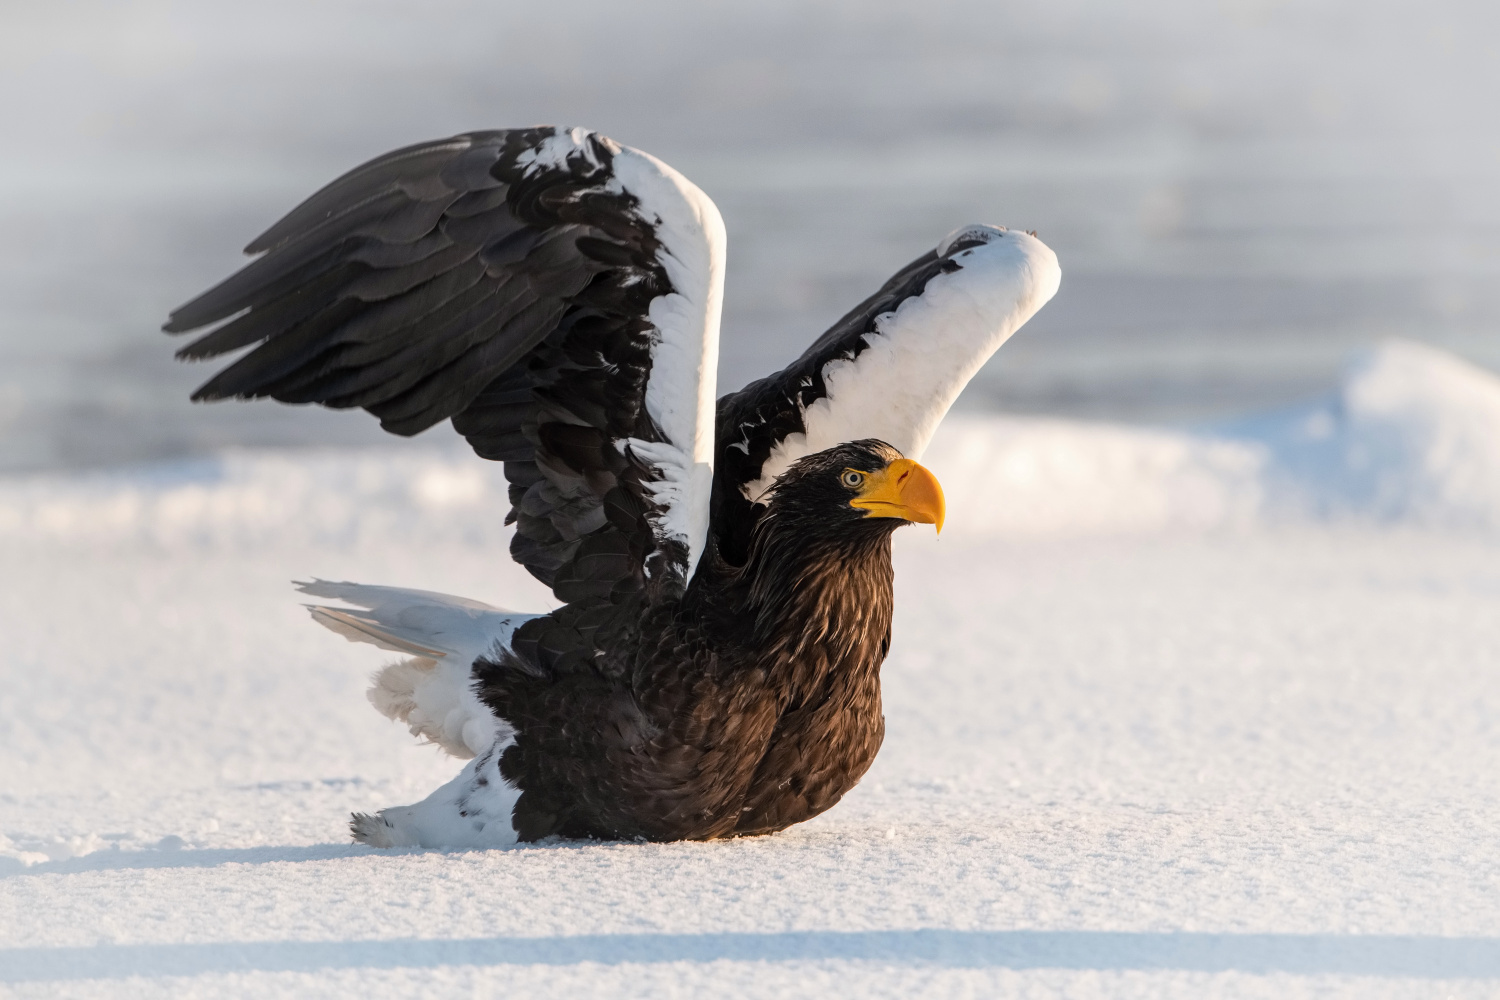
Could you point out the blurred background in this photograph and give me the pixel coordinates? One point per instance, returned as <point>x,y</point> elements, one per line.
<point>1241,192</point>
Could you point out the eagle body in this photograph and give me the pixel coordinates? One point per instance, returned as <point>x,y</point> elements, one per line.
<point>723,567</point>
<point>750,704</point>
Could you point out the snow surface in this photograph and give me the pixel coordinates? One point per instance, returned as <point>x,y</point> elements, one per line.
<point>1170,714</point>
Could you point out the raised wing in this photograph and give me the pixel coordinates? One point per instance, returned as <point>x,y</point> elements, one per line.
<point>553,293</point>
<point>890,369</point>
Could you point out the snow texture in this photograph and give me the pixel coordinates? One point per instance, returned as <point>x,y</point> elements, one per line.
<point>1169,714</point>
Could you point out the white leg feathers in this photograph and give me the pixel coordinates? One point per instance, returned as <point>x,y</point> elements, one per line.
<point>473,810</point>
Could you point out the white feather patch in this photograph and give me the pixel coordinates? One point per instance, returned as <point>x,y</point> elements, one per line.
<point>553,152</point>
<point>472,811</point>
<point>433,693</point>
<point>437,704</point>
<point>923,354</point>
<point>680,392</point>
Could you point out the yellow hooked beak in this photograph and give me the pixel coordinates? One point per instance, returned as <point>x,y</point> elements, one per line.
<point>902,489</point>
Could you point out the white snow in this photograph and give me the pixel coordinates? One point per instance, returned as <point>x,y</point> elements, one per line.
<point>1169,714</point>
<point>1411,435</point>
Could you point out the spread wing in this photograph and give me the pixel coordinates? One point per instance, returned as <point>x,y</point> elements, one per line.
<point>890,369</point>
<point>552,293</point>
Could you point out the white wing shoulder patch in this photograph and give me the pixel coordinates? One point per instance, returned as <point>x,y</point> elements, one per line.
<point>680,392</point>
<point>921,355</point>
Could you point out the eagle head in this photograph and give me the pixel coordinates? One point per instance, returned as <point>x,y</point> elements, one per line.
<point>857,487</point>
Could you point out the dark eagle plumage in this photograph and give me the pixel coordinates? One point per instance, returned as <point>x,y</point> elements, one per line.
<point>724,568</point>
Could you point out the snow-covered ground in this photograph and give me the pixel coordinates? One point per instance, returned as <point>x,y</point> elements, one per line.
<point>1170,714</point>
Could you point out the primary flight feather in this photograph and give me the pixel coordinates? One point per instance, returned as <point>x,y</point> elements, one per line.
<point>724,568</point>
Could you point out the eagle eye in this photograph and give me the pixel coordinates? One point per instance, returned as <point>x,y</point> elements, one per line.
<point>852,478</point>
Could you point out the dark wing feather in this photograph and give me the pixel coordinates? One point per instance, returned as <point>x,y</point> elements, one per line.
<point>504,280</point>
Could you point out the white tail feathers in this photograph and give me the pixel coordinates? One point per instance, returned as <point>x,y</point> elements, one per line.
<point>433,693</point>
<point>357,628</point>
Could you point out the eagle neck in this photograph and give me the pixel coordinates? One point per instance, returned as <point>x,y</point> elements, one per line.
<point>818,607</point>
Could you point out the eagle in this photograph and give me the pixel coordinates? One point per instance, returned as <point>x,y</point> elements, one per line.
<point>723,567</point>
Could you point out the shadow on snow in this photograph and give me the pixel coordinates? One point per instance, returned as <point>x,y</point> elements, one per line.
<point>1305,954</point>
<point>214,857</point>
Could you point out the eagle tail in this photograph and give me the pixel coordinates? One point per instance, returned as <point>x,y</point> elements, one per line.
<point>433,691</point>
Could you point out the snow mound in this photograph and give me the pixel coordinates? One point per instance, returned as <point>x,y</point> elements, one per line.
<point>1411,434</point>
<point>1034,476</point>
<point>244,498</point>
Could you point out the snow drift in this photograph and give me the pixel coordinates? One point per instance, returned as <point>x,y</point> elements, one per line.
<point>1411,434</point>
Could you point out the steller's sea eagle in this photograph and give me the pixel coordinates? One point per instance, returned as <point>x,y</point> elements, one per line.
<point>724,568</point>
